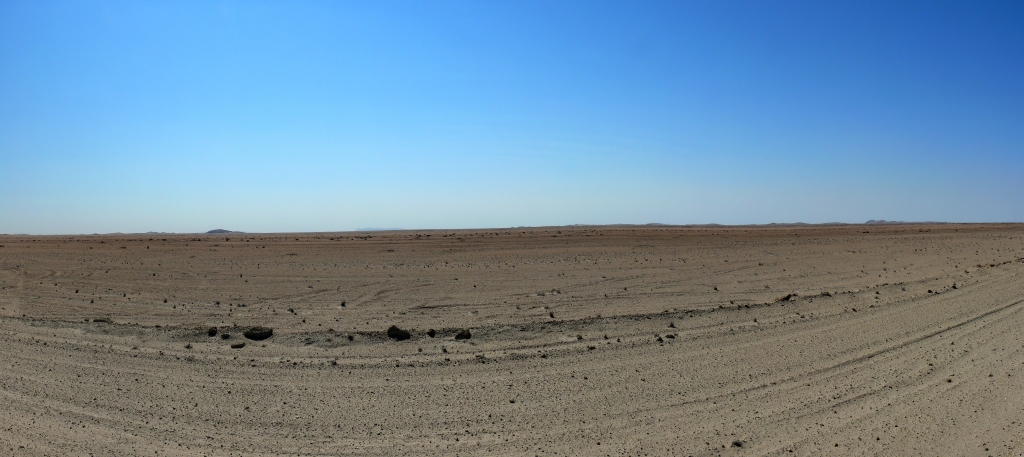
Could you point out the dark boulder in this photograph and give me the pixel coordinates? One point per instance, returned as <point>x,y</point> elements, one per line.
<point>398,334</point>
<point>258,333</point>
<point>463,335</point>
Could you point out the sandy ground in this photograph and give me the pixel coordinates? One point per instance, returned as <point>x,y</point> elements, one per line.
<point>814,340</point>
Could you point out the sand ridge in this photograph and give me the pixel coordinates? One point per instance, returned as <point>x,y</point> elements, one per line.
<point>894,339</point>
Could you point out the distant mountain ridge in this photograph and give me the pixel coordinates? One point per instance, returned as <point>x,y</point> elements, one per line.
<point>216,231</point>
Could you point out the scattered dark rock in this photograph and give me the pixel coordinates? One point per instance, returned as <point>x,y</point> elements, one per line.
<point>463,335</point>
<point>238,345</point>
<point>258,333</point>
<point>737,443</point>
<point>225,336</point>
<point>350,338</point>
<point>398,334</point>
<point>431,333</point>
<point>101,319</point>
<point>212,331</point>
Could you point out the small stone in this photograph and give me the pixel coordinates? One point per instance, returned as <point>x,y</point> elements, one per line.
<point>212,331</point>
<point>238,345</point>
<point>463,335</point>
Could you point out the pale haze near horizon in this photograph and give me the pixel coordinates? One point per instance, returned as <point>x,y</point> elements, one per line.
<point>327,116</point>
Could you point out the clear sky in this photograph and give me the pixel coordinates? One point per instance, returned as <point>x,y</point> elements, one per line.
<point>319,116</point>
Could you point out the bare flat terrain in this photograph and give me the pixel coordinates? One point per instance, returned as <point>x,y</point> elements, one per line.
<point>812,340</point>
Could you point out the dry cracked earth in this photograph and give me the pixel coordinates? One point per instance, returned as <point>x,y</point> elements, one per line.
<point>617,340</point>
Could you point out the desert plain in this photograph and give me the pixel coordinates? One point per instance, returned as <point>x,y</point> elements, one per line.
<point>611,340</point>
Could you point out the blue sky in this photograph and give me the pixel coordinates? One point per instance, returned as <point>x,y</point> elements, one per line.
<point>320,116</point>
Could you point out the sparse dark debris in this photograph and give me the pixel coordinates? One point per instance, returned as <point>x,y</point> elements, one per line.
<point>212,331</point>
<point>431,333</point>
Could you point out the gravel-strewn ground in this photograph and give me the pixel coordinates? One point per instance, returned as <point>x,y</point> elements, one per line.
<point>809,340</point>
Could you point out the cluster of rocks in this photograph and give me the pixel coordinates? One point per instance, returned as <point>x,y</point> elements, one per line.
<point>257,333</point>
<point>398,334</point>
